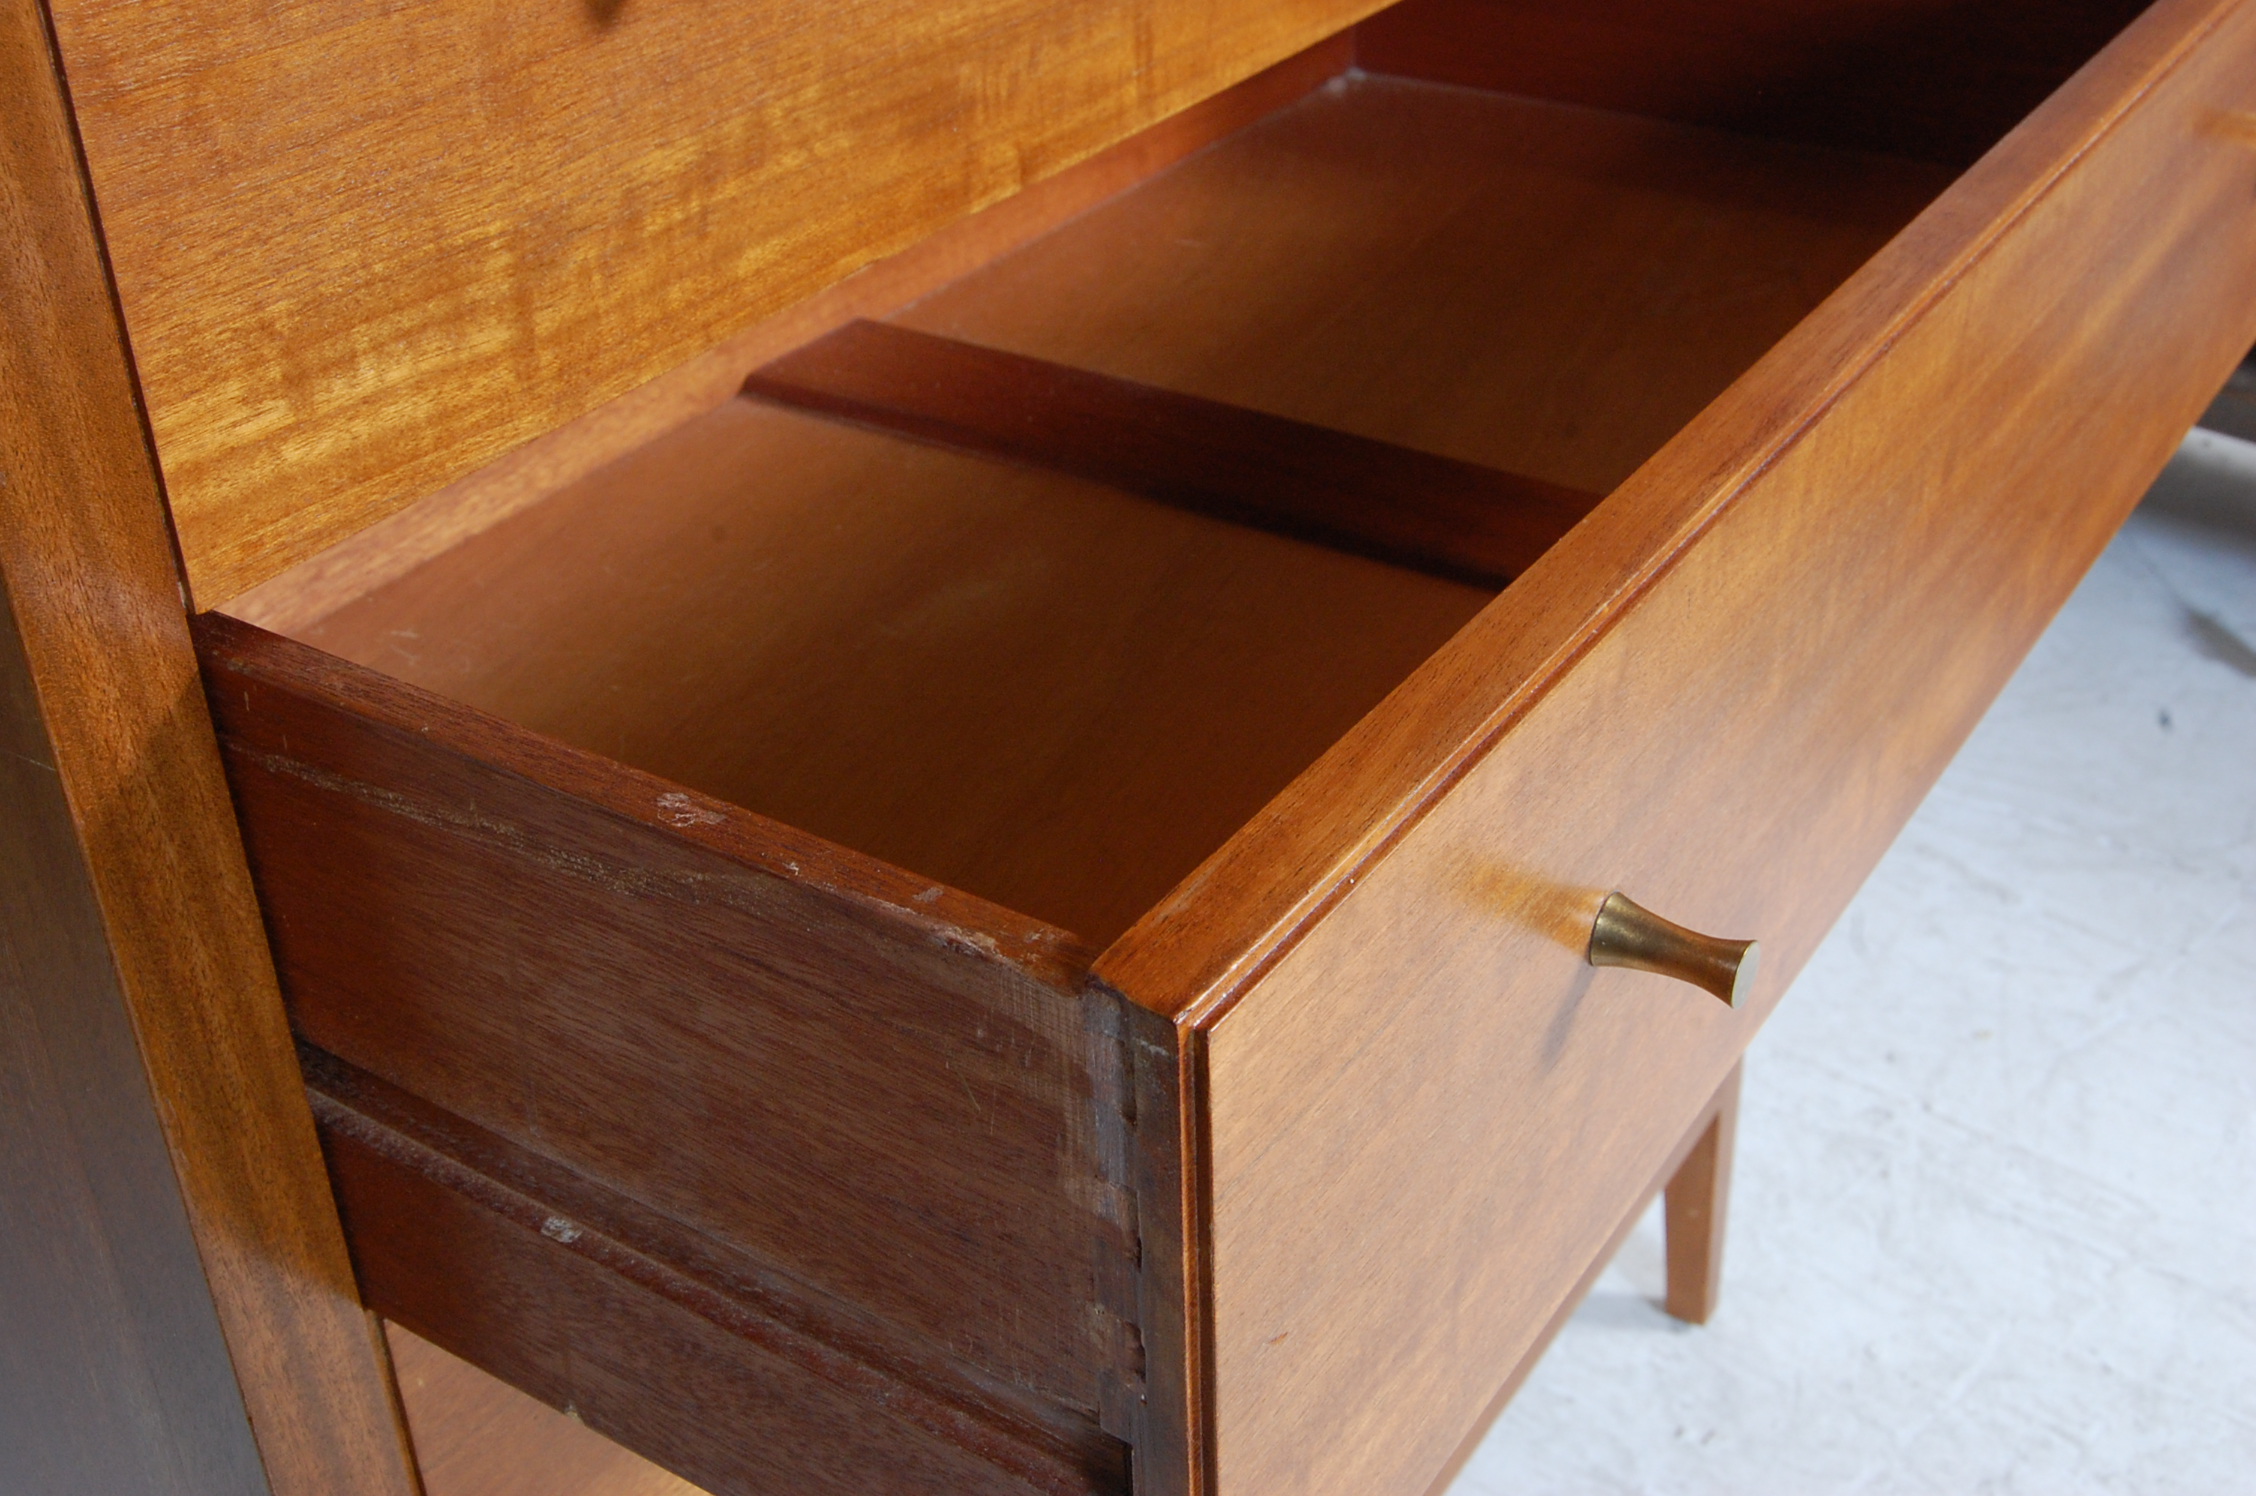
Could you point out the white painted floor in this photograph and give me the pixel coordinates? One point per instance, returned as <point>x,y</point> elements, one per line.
<point>1994,1227</point>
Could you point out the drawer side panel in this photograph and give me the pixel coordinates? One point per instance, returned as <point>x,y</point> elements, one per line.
<point>874,1084</point>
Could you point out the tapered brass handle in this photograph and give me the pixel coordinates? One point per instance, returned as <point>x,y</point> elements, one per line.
<point>1624,934</point>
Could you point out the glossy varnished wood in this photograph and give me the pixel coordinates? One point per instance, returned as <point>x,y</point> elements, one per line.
<point>1434,514</point>
<point>1305,847</point>
<point>1062,700</point>
<point>179,1315</point>
<point>478,1436</point>
<point>1834,569</point>
<point>384,551</point>
<point>362,254</point>
<point>1666,1177</point>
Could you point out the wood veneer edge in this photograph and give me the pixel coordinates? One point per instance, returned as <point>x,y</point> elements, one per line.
<point>1171,1443</point>
<point>1198,1203</point>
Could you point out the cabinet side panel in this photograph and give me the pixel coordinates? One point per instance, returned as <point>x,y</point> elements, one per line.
<point>133,966</point>
<point>113,1372</point>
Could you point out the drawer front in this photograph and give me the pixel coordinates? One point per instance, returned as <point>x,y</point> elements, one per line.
<point>1428,1114</point>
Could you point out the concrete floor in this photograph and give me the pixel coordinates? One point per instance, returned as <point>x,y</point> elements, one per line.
<point>1994,1227</point>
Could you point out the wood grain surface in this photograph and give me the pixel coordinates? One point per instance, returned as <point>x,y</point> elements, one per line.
<point>1541,289</point>
<point>881,1086</point>
<point>1734,747</point>
<point>1395,504</point>
<point>384,551</point>
<point>478,1436</point>
<point>1047,693</point>
<point>1906,77</point>
<point>362,253</point>
<point>179,1312</point>
<point>715,1364</point>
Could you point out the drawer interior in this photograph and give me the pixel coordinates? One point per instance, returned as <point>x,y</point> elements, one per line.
<point>930,590</point>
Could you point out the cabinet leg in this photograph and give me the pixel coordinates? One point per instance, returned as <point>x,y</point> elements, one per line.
<point>1698,1199</point>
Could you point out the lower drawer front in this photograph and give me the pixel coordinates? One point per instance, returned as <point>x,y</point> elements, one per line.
<point>1428,1116</point>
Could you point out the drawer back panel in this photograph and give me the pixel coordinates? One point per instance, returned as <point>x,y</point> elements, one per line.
<point>363,249</point>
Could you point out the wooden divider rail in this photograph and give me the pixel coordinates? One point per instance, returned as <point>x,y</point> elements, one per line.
<point>1433,514</point>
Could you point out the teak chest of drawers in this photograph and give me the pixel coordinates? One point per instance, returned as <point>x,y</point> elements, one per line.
<point>930,704</point>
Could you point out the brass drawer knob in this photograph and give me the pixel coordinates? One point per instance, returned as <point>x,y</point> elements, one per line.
<point>1624,934</point>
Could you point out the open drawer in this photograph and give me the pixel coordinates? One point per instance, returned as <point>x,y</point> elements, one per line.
<point>1007,908</point>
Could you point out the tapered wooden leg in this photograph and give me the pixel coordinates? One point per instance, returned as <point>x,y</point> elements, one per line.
<point>1698,1199</point>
